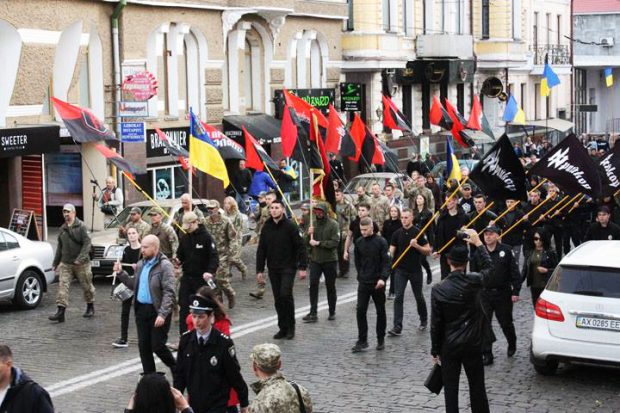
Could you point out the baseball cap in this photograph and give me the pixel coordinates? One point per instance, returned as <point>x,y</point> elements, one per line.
<point>466,186</point>
<point>493,228</point>
<point>213,203</point>
<point>136,210</point>
<point>69,207</point>
<point>155,211</point>
<point>604,209</point>
<point>266,356</point>
<point>188,218</point>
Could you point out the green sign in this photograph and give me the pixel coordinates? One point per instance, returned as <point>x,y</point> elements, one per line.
<point>351,97</point>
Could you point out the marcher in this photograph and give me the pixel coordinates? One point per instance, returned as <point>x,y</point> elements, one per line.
<point>458,324</point>
<point>362,197</point>
<point>232,212</point>
<point>186,206</point>
<point>553,218</point>
<point>372,264</point>
<point>131,256</point>
<point>265,214</point>
<point>153,287</point>
<point>416,186</point>
<point>389,227</point>
<point>337,168</point>
<point>482,220</point>
<point>539,264</point>
<point>261,182</point>
<point>363,210</point>
<point>421,216</point>
<point>408,270</point>
<point>154,394</point>
<point>110,200</point>
<point>379,205</point>
<point>72,260</point>
<point>198,256</point>
<point>242,180</point>
<point>603,229</point>
<point>135,221</point>
<point>225,237</point>
<point>207,363</point>
<point>466,202</point>
<point>513,239</point>
<point>286,177</point>
<point>323,238</point>
<point>394,196</point>
<point>345,212</point>
<point>449,222</point>
<point>281,247</point>
<point>18,392</point>
<point>274,393</point>
<point>500,290</point>
<point>168,239</point>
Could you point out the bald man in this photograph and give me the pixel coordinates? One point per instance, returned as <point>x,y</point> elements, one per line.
<point>153,286</point>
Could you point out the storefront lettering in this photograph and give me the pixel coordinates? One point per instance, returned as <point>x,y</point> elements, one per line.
<point>178,137</point>
<point>15,140</point>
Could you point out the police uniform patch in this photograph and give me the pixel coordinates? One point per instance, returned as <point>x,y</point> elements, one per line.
<point>610,237</point>
<point>213,361</point>
<point>231,351</point>
<point>502,254</point>
<point>195,303</point>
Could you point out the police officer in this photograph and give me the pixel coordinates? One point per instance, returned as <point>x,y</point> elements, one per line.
<point>603,229</point>
<point>135,221</point>
<point>207,364</point>
<point>72,260</point>
<point>500,289</point>
<point>198,256</point>
<point>225,237</point>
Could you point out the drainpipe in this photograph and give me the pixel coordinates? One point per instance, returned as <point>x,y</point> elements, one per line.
<point>116,58</point>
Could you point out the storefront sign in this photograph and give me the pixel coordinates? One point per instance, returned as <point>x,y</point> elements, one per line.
<point>155,147</point>
<point>133,109</point>
<point>319,98</point>
<point>141,85</point>
<point>133,131</point>
<point>29,141</point>
<point>351,97</point>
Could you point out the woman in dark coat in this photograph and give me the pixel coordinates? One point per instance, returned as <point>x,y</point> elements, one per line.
<point>390,226</point>
<point>421,215</point>
<point>539,265</point>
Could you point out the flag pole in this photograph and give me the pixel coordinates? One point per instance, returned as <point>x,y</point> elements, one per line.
<point>281,193</point>
<point>431,220</point>
<point>523,217</point>
<point>557,205</point>
<point>466,226</point>
<point>163,211</point>
<point>577,204</point>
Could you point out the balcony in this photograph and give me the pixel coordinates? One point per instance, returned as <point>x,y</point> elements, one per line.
<point>445,45</point>
<point>558,54</point>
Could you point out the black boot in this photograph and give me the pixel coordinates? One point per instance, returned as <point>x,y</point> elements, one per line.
<point>90,310</point>
<point>59,316</point>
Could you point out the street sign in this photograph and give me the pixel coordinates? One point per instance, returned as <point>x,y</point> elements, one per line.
<point>350,97</point>
<point>133,132</point>
<point>133,109</point>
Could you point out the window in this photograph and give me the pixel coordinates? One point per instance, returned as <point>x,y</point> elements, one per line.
<point>390,11</point>
<point>548,29</point>
<point>168,182</point>
<point>485,19</point>
<point>559,29</point>
<point>516,19</point>
<point>587,281</point>
<point>428,16</point>
<point>523,95</point>
<point>10,242</point>
<point>535,32</point>
<point>350,26</point>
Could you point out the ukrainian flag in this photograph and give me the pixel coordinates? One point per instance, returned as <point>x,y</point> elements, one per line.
<point>453,169</point>
<point>203,153</point>
<point>550,79</point>
<point>513,113</point>
<point>609,77</point>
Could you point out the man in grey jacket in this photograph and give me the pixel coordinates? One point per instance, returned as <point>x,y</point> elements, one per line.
<point>153,285</point>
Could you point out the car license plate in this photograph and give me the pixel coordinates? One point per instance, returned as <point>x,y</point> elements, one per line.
<point>95,264</point>
<point>598,323</point>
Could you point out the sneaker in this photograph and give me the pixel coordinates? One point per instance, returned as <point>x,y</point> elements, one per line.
<point>359,346</point>
<point>394,332</point>
<point>310,318</point>
<point>422,327</point>
<point>279,335</point>
<point>390,297</point>
<point>332,317</point>
<point>120,343</point>
<point>380,345</point>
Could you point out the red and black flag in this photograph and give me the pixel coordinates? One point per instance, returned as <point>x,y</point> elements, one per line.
<point>438,115</point>
<point>458,124</point>
<point>289,131</point>
<point>255,156</point>
<point>569,166</point>
<point>500,174</point>
<point>82,124</point>
<point>371,150</point>
<point>353,148</point>
<point>610,171</point>
<point>337,132</point>
<point>323,186</point>
<point>227,148</point>
<point>173,149</point>
<point>120,162</point>
<point>390,156</point>
<point>304,110</point>
<point>477,119</point>
<point>393,118</point>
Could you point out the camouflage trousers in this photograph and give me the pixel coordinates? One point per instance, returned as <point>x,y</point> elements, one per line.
<point>82,272</point>
<point>236,262</point>
<point>222,278</point>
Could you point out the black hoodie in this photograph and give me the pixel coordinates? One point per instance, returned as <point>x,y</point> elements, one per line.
<point>197,253</point>
<point>24,395</point>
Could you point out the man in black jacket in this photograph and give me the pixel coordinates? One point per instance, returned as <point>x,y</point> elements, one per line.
<point>372,264</point>
<point>514,239</point>
<point>458,324</point>
<point>500,290</point>
<point>480,203</point>
<point>241,180</point>
<point>198,256</point>
<point>18,392</point>
<point>282,247</point>
<point>449,221</point>
<point>603,229</point>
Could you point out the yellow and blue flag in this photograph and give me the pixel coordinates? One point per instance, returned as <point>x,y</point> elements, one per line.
<point>453,169</point>
<point>513,112</point>
<point>203,153</point>
<point>609,77</point>
<point>550,79</point>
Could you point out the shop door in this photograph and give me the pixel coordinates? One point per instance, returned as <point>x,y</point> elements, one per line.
<point>32,188</point>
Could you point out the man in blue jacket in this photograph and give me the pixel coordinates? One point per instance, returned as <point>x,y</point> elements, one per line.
<point>261,182</point>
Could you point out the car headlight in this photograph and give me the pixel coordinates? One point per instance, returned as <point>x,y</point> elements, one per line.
<point>115,251</point>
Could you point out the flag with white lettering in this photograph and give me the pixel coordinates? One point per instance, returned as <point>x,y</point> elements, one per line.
<point>610,171</point>
<point>569,166</point>
<point>500,174</point>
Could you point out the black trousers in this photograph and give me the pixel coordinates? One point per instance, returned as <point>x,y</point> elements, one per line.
<point>572,231</point>
<point>401,279</point>
<point>443,264</point>
<point>500,302</point>
<point>126,308</point>
<point>187,287</point>
<point>426,266</point>
<point>364,293</point>
<point>343,265</point>
<point>536,292</point>
<point>556,232</point>
<point>451,371</point>
<point>152,339</point>
<point>328,269</point>
<point>282,281</point>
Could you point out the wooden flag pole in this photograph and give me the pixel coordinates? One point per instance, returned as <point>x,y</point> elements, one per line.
<point>281,194</point>
<point>523,217</point>
<point>561,202</point>
<point>431,220</point>
<point>575,206</point>
<point>466,226</point>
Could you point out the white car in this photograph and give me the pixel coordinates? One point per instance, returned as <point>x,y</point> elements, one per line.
<point>25,269</point>
<point>578,313</point>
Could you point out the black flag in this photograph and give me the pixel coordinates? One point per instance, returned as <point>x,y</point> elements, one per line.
<point>569,166</point>
<point>610,170</point>
<point>500,174</point>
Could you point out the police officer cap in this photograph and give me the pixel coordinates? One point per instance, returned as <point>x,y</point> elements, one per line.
<point>188,218</point>
<point>459,254</point>
<point>493,228</point>
<point>136,210</point>
<point>201,305</point>
<point>213,203</point>
<point>69,207</point>
<point>266,356</point>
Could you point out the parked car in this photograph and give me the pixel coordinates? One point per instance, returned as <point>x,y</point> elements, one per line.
<point>108,246</point>
<point>440,168</point>
<point>578,313</point>
<point>367,180</point>
<point>25,269</point>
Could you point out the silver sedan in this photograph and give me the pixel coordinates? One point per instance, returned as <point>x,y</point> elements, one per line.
<point>25,269</point>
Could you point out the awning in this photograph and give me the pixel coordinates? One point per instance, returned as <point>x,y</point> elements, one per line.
<point>544,124</point>
<point>29,140</point>
<point>265,128</point>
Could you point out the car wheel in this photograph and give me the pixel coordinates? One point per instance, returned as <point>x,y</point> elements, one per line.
<point>547,368</point>
<point>29,290</point>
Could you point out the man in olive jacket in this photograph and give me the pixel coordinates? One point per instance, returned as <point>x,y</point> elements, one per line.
<point>153,285</point>
<point>323,237</point>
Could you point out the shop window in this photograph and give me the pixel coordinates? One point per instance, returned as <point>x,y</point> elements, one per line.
<point>168,182</point>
